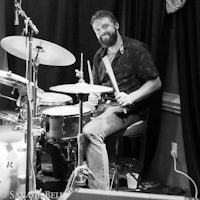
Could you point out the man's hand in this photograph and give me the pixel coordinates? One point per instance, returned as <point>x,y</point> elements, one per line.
<point>124,99</point>
<point>143,92</point>
<point>94,98</point>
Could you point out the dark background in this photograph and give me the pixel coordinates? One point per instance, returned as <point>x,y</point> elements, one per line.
<point>66,23</point>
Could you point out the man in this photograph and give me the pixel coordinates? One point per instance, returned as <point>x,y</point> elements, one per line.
<point>137,78</point>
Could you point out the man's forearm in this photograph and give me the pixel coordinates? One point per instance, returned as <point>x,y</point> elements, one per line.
<point>146,89</point>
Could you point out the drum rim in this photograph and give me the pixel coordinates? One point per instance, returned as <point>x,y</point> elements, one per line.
<point>65,116</point>
<point>8,115</point>
<point>87,111</point>
<point>54,103</point>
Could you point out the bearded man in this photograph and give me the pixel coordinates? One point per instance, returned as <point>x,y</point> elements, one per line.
<point>137,78</point>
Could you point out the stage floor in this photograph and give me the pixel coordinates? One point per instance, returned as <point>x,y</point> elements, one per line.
<point>52,177</point>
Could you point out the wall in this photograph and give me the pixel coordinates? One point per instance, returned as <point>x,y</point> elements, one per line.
<point>162,168</point>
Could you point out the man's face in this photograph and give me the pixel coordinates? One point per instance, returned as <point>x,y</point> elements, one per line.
<point>106,31</point>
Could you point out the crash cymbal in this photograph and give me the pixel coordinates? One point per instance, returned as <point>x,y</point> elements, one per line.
<point>81,88</point>
<point>13,80</point>
<point>49,53</point>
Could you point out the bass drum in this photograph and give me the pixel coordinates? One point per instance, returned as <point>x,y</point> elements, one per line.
<point>63,121</point>
<point>12,162</point>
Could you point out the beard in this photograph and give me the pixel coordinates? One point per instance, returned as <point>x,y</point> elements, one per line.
<point>110,41</point>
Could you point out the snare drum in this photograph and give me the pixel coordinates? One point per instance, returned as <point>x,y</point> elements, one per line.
<point>12,161</point>
<point>51,99</point>
<point>63,121</point>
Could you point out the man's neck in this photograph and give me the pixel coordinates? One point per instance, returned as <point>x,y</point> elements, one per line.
<point>113,49</point>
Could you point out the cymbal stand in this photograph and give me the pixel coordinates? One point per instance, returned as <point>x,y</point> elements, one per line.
<point>29,29</point>
<point>35,79</point>
<point>29,138</point>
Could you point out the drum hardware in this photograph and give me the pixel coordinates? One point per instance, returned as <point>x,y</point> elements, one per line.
<point>9,117</point>
<point>9,98</point>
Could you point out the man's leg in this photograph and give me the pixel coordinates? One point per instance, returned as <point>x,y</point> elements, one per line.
<point>111,121</point>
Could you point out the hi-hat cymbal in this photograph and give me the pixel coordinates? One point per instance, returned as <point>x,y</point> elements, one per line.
<point>81,88</point>
<point>49,53</point>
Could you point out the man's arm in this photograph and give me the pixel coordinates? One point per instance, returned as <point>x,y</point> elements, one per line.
<point>144,91</point>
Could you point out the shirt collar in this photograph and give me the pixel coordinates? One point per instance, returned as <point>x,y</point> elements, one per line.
<point>103,50</point>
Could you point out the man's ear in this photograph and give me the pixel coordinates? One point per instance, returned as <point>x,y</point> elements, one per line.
<point>117,25</point>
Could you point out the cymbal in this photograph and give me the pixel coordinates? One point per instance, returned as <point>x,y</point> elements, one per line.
<point>81,88</point>
<point>49,53</point>
<point>16,81</point>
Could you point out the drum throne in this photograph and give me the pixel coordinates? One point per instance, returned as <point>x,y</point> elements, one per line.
<point>128,155</point>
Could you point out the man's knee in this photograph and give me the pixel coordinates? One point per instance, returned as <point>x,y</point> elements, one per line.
<point>92,136</point>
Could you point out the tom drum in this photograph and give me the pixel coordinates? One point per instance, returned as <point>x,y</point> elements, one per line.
<point>51,99</point>
<point>63,121</point>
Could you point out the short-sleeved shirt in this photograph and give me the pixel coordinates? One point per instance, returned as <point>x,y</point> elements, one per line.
<point>132,66</point>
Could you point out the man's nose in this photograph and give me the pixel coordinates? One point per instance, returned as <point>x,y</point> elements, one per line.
<point>101,32</point>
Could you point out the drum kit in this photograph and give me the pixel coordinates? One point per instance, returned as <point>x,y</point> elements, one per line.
<point>57,118</point>
<point>38,113</point>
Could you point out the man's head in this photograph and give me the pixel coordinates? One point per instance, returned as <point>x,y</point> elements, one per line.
<point>105,26</point>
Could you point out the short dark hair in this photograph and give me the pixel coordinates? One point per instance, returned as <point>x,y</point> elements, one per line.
<point>103,14</point>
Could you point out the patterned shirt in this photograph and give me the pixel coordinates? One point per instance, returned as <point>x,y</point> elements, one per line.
<point>132,65</point>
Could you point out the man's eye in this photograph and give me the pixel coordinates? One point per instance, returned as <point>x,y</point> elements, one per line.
<point>105,26</point>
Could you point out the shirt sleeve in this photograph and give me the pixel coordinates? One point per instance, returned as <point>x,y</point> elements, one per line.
<point>146,69</point>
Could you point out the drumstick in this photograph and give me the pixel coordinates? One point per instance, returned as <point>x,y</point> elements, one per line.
<point>90,73</point>
<point>91,78</point>
<point>111,75</point>
<point>81,67</point>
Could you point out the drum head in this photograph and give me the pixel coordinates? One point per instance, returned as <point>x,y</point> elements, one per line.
<point>55,99</point>
<point>68,110</point>
<point>8,134</point>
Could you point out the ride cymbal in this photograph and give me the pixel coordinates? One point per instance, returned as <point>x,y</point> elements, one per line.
<point>47,53</point>
<point>81,88</point>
